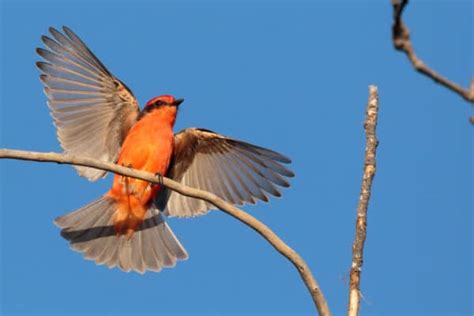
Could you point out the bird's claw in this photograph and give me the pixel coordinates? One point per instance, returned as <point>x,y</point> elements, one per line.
<point>160,179</point>
<point>129,166</point>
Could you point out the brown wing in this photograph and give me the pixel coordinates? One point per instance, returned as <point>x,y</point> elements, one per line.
<point>92,109</point>
<point>236,171</point>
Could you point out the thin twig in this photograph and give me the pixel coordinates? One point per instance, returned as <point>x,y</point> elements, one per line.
<point>402,42</point>
<point>259,227</point>
<point>361,221</point>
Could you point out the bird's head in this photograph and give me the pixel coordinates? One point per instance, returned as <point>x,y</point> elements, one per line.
<point>163,100</point>
<point>164,107</point>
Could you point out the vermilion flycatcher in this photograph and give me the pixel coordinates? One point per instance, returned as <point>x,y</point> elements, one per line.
<point>97,116</point>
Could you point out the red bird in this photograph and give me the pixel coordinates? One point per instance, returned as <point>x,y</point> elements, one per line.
<point>97,116</point>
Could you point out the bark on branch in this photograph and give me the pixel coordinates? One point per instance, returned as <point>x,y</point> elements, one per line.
<point>259,227</point>
<point>361,221</point>
<point>402,42</point>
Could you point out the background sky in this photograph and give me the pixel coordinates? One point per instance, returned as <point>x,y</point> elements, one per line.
<point>288,75</point>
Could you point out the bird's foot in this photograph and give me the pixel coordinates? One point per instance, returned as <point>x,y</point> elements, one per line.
<point>160,179</point>
<point>129,166</point>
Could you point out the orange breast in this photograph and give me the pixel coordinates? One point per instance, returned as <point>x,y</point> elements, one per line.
<point>148,147</point>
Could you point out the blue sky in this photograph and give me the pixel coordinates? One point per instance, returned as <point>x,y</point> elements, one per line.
<point>288,75</point>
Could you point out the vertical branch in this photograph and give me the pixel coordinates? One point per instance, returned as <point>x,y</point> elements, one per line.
<point>361,221</point>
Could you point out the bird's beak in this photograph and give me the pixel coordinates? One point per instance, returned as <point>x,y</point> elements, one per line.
<point>177,102</point>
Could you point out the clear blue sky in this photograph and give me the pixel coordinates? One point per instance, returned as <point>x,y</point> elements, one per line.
<point>289,75</point>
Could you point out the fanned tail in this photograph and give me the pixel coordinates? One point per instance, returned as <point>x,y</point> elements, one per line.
<point>90,230</point>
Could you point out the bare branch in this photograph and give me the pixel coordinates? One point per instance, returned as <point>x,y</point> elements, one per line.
<point>402,42</point>
<point>361,221</point>
<point>259,227</point>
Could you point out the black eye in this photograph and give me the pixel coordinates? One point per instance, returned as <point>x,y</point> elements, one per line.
<point>159,102</point>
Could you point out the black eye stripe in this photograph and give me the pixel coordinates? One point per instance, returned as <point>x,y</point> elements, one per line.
<point>151,107</point>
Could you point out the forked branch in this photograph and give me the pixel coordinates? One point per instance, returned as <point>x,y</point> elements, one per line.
<point>361,221</point>
<point>402,42</point>
<point>252,222</point>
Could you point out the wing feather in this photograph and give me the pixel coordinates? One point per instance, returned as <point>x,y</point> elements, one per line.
<point>236,171</point>
<point>220,173</point>
<point>92,110</point>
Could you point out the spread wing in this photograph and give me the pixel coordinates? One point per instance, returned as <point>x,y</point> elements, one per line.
<point>92,110</point>
<point>236,171</point>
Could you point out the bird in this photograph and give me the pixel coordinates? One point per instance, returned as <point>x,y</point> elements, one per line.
<point>96,115</point>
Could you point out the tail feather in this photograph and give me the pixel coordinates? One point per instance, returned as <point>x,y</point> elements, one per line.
<point>90,231</point>
<point>151,261</point>
<point>84,217</point>
<point>124,253</point>
<point>106,253</point>
<point>139,260</point>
